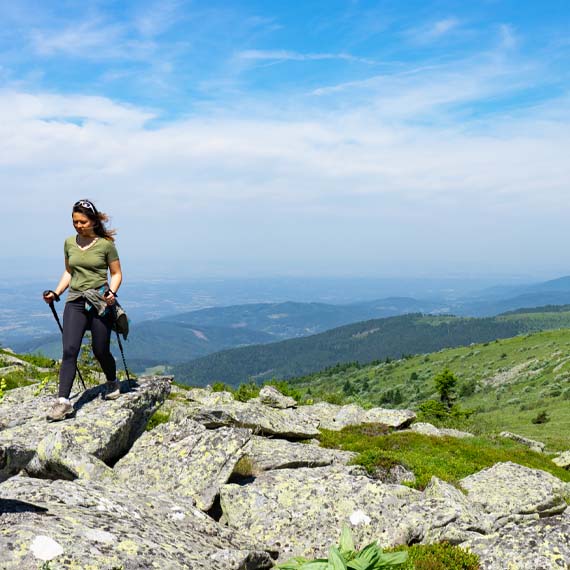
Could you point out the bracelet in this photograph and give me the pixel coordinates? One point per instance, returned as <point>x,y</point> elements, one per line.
<point>113,293</point>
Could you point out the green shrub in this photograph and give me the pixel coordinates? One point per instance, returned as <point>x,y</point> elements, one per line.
<point>221,387</point>
<point>541,418</point>
<point>246,391</point>
<point>442,556</point>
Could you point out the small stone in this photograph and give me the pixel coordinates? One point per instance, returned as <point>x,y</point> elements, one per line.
<point>45,548</point>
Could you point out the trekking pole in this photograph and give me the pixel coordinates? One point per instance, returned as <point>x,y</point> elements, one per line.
<point>56,317</point>
<point>114,309</point>
<point>124,361</point>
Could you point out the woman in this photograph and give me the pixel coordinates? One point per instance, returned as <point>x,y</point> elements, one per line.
<point>89,256</point>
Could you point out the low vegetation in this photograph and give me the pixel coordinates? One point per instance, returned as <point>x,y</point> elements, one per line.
<point>447,458</point>
<point>345,556</point>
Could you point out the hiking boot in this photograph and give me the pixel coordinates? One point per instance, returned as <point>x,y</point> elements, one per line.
<point>112,390</point>
<point>59,411</point>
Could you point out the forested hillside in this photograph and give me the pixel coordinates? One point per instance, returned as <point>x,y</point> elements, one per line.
<point>362,342</point>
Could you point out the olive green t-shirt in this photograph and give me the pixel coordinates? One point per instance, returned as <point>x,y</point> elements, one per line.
<point>89,267</point>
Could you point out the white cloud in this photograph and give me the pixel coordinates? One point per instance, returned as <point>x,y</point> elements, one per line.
<point>433,31</point>
<point>508,36</point>
<point>286,55</point>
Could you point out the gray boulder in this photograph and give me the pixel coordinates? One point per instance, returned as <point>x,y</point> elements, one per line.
<point>508,491</point>
<point>563,460</point>
<point>535,544</point>
<point>105,429</point>
<point>266,454</point>
<point>259,418</point>
<point>335,418</point>
<point>270,396</point>
<point>537,446</point>
<point>300,511</point>
<point>206,396</point>
<point>84,524</point>
<point>58,456</point>
<point>184,460</point>
<point>429,429</point>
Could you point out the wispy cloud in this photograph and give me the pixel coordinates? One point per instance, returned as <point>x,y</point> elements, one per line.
<point>433,31</point>
<point>286,55</point>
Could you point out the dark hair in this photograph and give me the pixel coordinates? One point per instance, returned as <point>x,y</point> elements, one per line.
<point>87,208</point>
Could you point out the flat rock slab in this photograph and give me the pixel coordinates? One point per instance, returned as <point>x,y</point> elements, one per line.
<point>539,544</point>
<point>83,524</point>
<point>105,429</point>
<point>260,419</point>
<point>537,446</point>
<point>300,511</point>
<point>332,417</point>
<point>508,489</point>
<point>184,459</point>
<point>429,429</point>
<point>267,454</point>
<point>563,460</point>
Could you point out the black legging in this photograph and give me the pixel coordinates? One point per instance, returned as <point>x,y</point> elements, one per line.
<point>76,320</point>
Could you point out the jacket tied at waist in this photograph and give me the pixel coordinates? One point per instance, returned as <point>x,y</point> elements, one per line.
<point>94,299</point>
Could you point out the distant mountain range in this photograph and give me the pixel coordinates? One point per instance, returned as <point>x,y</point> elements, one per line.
<point>363,342</point>
<point>186,336</point>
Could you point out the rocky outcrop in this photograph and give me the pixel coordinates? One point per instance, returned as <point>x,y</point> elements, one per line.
<point>85,524</point>
<point>332,417</point>
<point>218,487</point>
<point>429,429</point>
<point>270,396</point>
<point>535,544</point>
<point>268,454</point>
<point>184,459</point>
<point>300,511</point>
<point>537,446</point>
<point>508,491</point>
<point>105,429</point>
<point>292,424</point>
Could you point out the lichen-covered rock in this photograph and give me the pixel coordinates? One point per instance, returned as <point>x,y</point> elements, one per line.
<point>84,524</point>
<point>260,419</point>
<point>105,429</point>
<point>444,513</point>
<point>537,544</point>
<point>335,418</point>
<point>301,511</point>
<point>563,460</point>
<point>509,490</point>
<point>267,454</point>
<point>397,419</point>
<point>270,396</point>
<point>59,457</point>
<point>429,429</point>
<point>184,459</point>
<point>208,396</point>
<point>537,446</point>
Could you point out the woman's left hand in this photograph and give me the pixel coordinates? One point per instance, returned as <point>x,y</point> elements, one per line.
<point>110,298</point>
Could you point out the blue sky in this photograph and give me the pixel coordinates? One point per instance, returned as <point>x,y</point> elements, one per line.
<point>300,138</point>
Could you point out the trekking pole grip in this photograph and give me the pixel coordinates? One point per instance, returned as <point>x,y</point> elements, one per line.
<point>55,295</point>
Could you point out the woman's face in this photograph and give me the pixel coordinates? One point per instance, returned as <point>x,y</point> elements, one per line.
<point>82,224</point>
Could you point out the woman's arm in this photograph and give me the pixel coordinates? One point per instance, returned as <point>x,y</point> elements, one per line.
<point>61,286</point>
<point>116,280</point>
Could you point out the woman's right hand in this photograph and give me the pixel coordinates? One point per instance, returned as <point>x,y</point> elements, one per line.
<point>48,297</point>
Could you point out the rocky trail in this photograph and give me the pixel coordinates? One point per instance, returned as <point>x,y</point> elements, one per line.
<point>228,485</point>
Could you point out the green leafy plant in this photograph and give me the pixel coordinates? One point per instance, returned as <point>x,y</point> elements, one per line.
<point>42,386</point>
<point>3,387</point>
<point>346,557</point>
